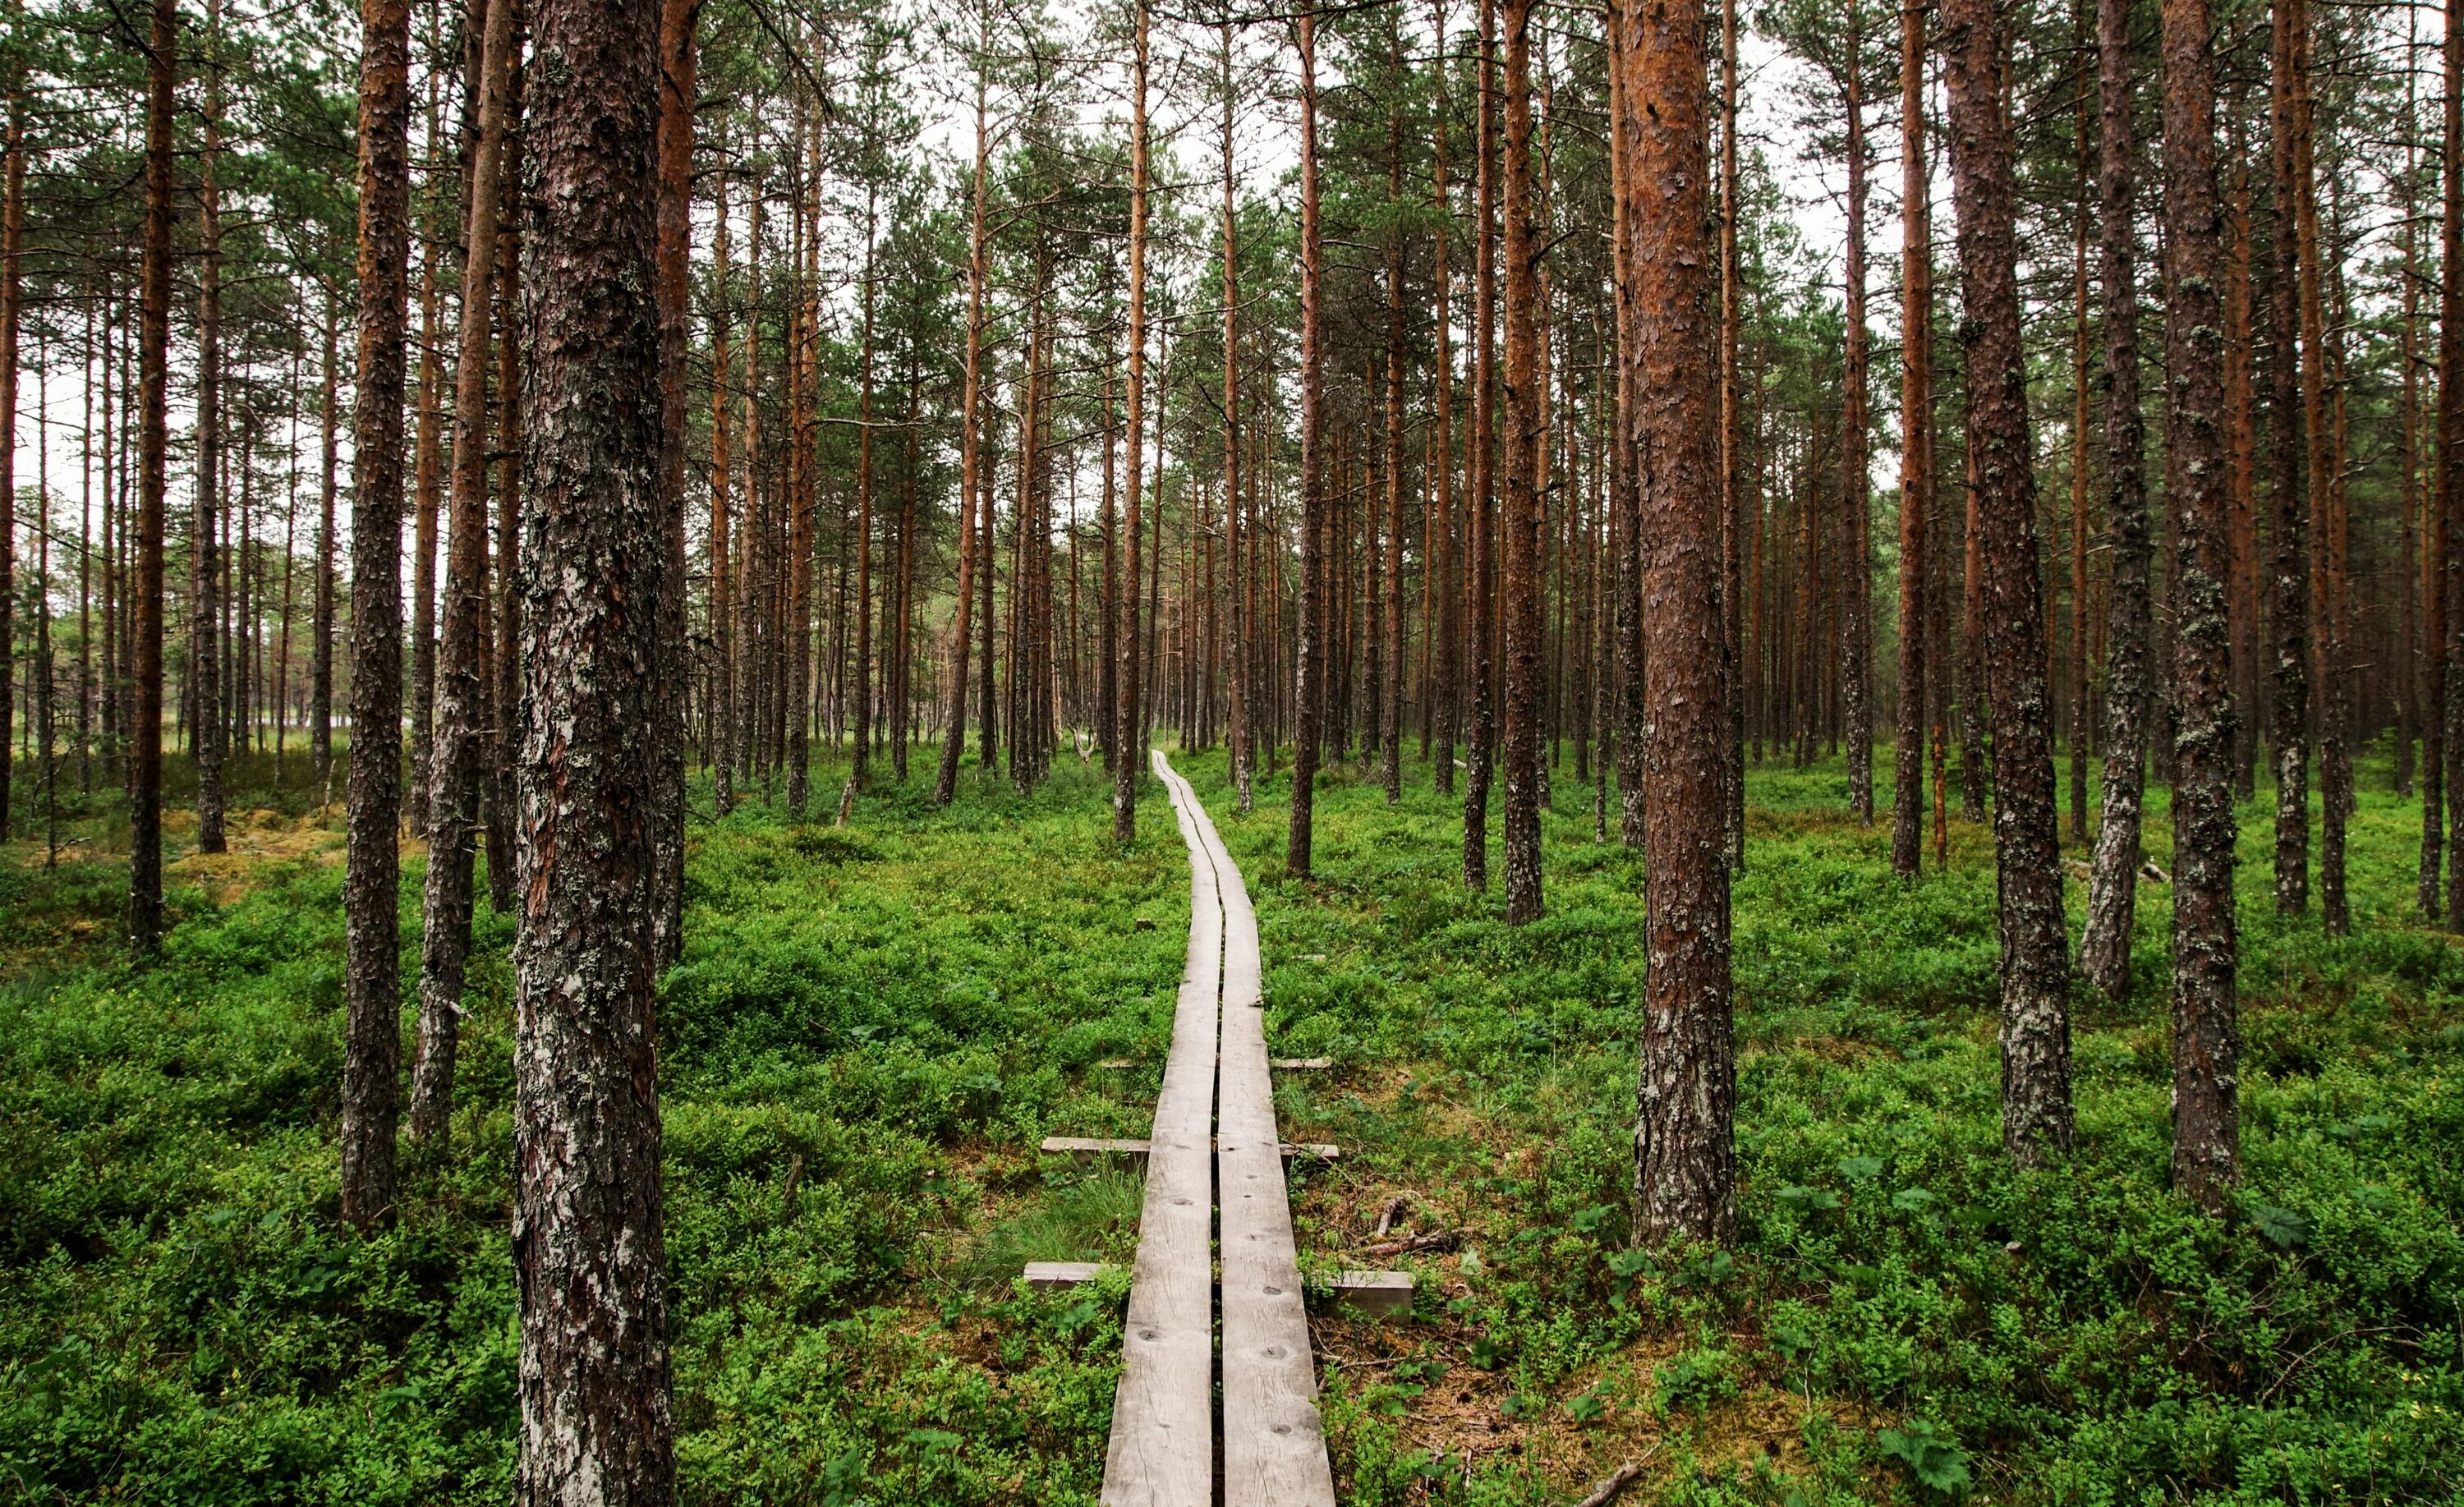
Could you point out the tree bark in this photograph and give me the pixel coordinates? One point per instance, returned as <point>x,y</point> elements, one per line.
<point>13,237</point>
<point>208,729</point>
<point>2205,1043</point>
<point>1520,521</point>
<point>1855,423</point>
<point>1916,443</point>
<point>1127,738</point>
<point>2323,489</point>
<point>1480,625</point>
<point>321,662</point>
<point>1391,714</point>
<point>1445,696</point>
<point>680,89</point>
<point>588,1246</point>
<point>2450,650</point>
<point>505,665</point>
<point>1685,1133</point>
<point>1309,689</point>
<point>1239,728</point>
<point>462,691</point>
<point>2113,873</point>
<point>2035,1017</point>
<point>372,864</point>
<point>2292,563</point>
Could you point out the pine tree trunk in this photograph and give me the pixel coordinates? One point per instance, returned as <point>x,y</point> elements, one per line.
<point>1916,445</point>
<point>371,984</point>
<point>680,89</point>
<point>1127,738</point>
<point>1479,625</point>
<point>723,549</point>
<point>1520,521</point>
<point>2113,872</point>
<point>1445,700</point>
<point>463,695</point>
<point>2320,487</point>
<point>505,661</point>
<point>1391,714</point>
<point>1684,1134</point>
<point>1855,423</point>
<point>1238,721</point>
<point>860,771</point>
<point>13,237</point>
<point>2447,585</point>
<point>945,781</point>
<point>2035,1019</point>
<point>1308,684</point>
<point>2205,1043</point>
<point>206,658</point>
<point>321,652</point>
<point>588,1245</point>
<point>2292,564</point>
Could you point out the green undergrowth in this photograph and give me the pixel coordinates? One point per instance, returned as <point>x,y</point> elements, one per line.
<point>873,1026</point>
<point>1905,1317</point>
<point>869,1031</point>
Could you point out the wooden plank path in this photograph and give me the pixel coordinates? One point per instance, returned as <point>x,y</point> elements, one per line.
<point>1274,1451</point>
<point>1162,1449</point>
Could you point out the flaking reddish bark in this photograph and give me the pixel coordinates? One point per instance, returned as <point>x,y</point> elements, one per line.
<point>1684,1148</point>
<point>372,864</point>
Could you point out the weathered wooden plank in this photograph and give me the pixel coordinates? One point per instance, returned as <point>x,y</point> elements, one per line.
<point>1378,1295</point>
<point>1092,1151</point>
<point>1048,1276</point>
<point>1274,1445</point>
<point>1162,1448</point>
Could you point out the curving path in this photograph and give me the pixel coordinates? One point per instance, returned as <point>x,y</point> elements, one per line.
<point>1273,1446</point>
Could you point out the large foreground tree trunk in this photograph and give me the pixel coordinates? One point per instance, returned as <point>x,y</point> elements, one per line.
<point>2205,1042</point>
<point>2027,845</point>
<point>2113,873</point>
<point>587,1243</point>
<point>1684,1131</point>
<point>373,861</point>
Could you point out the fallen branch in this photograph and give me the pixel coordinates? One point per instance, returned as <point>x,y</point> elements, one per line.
<point>1625,1475</point>
<point>2150,870</point>
<point>1386,1217</point>
<point>1434,1240</point>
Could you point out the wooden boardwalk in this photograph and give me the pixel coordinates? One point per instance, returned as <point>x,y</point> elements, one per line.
<point>1273,1445</point>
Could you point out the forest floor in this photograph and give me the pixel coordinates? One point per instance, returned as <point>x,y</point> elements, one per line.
<point>872,1027</point>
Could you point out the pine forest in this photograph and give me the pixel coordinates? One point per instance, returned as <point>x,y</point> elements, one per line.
<point>1395,752</point>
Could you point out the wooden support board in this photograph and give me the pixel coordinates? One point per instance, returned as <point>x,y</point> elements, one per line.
<point>1274,1446</point>
<point>1162,1449</point>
